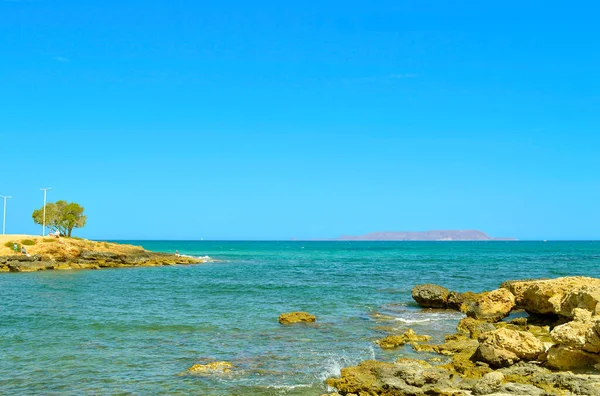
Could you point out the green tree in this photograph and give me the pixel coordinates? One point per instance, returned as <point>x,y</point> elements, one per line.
<point>62,216</point>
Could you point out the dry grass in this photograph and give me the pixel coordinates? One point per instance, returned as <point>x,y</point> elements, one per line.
<point>62,247</point>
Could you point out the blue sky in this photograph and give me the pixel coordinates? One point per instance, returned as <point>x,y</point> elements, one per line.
<point>264,120</point>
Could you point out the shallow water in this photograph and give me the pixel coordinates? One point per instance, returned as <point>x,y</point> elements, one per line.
<point>134,330</point>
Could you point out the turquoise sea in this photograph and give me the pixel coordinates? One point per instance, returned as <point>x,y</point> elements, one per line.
<point>133,331</point>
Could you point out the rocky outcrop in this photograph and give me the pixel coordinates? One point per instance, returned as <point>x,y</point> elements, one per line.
<point>560,357</point>
<point>491,356</point>
<point>417,377</point>
<point>492,306</point>
<point>93,260</point>
<point>431,296</point>
<point>406,377</point>
<point>394,341</point>
<point>505,347</point>
<point>75,253</point>
<point>577,344</point>
<point>559,296</point>
<point>296,317</point>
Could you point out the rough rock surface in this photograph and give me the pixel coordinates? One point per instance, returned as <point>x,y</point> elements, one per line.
<point>492,306</point>
<point>296,317</point>
<point>513,357</point>
<point>505,347</point>
<point>474,327</point>
<point>430,296</point>
<point>562,357</point>
<point>211,368</point>
<point>92,260</point>
<point>489,383</point>
<point>394,341</point>
<point>406,377</point>
<point>416,377</point>
<point>558,296</point>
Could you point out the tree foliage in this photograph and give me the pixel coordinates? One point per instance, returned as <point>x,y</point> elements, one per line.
<point>62,216</point>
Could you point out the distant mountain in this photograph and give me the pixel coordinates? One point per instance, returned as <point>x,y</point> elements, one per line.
<point>435,235</point>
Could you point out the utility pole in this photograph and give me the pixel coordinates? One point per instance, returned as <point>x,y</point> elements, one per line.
<point>4,221</point>
<point>44,222</point>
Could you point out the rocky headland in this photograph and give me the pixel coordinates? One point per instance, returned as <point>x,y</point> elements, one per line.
<point>528,337</point>
<point>53,253</point>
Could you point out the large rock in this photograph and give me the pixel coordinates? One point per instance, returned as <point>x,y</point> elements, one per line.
<point>505,347</point>
<point>572,334</point>
<point>296,317</point>
<point>558,296</point>
<point>431,296</point>
<point>489,383</point>
<point>474,327</point>
<point>405,377</point>
<point>492,306</point>
<point>562,357</point>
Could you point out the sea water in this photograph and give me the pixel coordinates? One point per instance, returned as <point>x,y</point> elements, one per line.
<point>136,330</point>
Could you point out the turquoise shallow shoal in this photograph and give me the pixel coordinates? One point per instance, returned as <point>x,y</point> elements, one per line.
<point>133,331</point>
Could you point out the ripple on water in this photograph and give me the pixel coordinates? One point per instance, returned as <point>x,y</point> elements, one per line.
<point>133,331</point>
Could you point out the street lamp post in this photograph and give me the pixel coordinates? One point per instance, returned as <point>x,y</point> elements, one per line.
<point>4,221</point>
<point>44,221</point>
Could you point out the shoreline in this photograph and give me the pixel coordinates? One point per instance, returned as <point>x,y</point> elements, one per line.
<point>51,253</point>
<point>554,349</point>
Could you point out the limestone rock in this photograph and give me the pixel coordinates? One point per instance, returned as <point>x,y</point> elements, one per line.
<point>581,315</point>
<point>394,341</point>
<point>557,296</point>
<point>512,388</point>
<point>474,327</point>
<point>296,317</point>
<point>211,368</point>
<point>572,334</point>
<point>592,336</point>
<point>492,306</point>
<point>505,347</point>
<point>489,383</point>
<point>405,377</point>
<point>562,357</point>
<point>430,296</point>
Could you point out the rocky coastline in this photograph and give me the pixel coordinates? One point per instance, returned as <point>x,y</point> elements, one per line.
<point>77,254</point>
<point>528,337</point>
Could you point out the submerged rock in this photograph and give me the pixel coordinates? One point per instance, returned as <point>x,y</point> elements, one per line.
<point>296,317</point>
<point>211,368</point>
<point>431,296</point>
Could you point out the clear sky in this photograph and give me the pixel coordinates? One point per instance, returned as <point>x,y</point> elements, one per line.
<point>187,119</point>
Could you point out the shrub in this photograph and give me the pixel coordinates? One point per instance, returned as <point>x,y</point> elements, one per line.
<point>11,246</point>
<point>28,242</point>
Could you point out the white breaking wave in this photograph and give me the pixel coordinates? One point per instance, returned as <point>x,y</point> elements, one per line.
<point>411,321</point>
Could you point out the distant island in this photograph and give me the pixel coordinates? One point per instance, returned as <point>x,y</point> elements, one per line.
<point>435,235</point>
